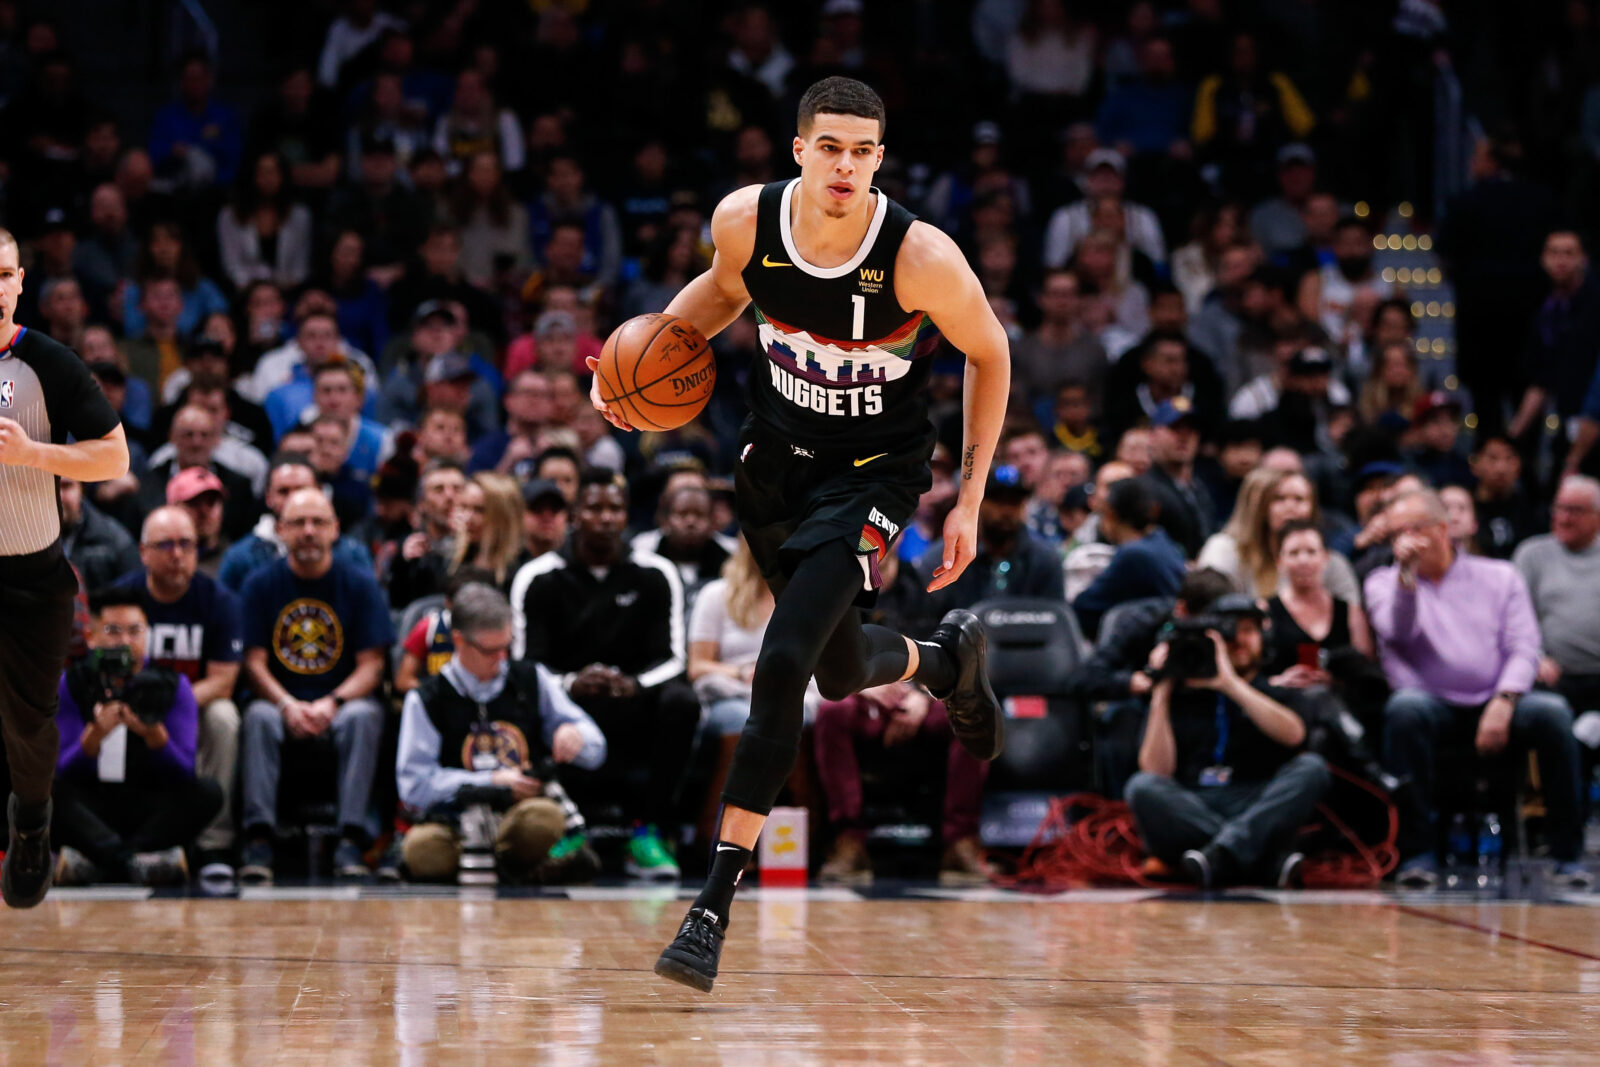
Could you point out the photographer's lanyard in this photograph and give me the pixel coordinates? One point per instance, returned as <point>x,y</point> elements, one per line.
<point>1219,773</point>
<point>1222,733</point>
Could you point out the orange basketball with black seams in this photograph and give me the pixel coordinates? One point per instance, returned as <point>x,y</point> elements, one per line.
<point>657,371</point>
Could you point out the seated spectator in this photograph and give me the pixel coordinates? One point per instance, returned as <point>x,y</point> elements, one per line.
<point>231,450</point>
<point>301,126</point>
<point>1298,370</point>
<point>486,528</point>
<point>130,397</point>
<point>205,380</point>
<point>1335,296</point>
<point>1461,519</point>
<point>1239,451</point>
<point>1436,420</point>
<point>494,227</point>
<point>1010,561</point>
<point>544,517</point>
<point>1221,791</point>
<point>363,310</point>
<point>1507,514</point>
<point>104,256</point>
<point>528,413</point>
<point>196,140</point>
<point>475,119</point>
<point>431,642</point>
<point>1184,503</point>
<point>1197,265</point>
<point>199,492</point>
<point>97,545</point>
<point>336,391</point>
<point>435,365</point>
<point>435,274</point>
<point>565,199</point>
<point>391,217</point>
<point>417,566</point>
<point>167,255</point>
<point>1147,562</point>
<point>611,626</point>
<point>316,635</point>
<point>1389,397</point>
<point>265,233</point>
<point>1458,638</point>
<point>1164,373</point>
<point>520,726</point>
<point>331,458</point>
<point>1243,114</point>
<point>1149,115</point>
<point>1061,347</point>
<point>1062,471</point>
<point>580,342</point>
<point>284,379</point>
<point>195,441</point>
<point>195,629</point>
<point>442,434</point>
<point>685,538</point>
<point>1089,551</point>
<point>290,471</point>
<point>154,351</point>
<point>1073,428</point>
<point>1307,623</point>
<point>1562,569</point>
<point>1246,550</point>
<point>127,800</point>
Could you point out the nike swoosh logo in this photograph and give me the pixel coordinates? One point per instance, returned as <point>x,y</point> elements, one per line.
<point>727,848</point>
<point>766,261</point>
<point>869,459</point>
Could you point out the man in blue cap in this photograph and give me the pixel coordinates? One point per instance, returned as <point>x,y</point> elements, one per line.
<point>1186,507</point>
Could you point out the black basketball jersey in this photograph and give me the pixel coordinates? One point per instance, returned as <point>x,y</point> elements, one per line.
<point>845,363</point>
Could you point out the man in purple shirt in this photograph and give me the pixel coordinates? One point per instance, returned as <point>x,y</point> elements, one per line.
<point>1460,643</point>
<point>127,799</point>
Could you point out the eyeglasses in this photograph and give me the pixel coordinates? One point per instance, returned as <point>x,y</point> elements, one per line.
<point>182,545</point>
<point>112,629</point>
<point>500,650</point>
<point>1572,509</point>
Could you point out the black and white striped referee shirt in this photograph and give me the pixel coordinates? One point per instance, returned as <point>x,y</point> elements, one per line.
<point>45,389</point>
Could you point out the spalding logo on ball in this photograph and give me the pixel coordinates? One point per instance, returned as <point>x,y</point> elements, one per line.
<point>657,371</point>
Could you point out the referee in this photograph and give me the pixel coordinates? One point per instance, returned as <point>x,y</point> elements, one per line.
<point>46,395</point>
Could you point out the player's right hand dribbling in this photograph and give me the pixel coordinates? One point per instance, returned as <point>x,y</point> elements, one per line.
<point>600,405</point>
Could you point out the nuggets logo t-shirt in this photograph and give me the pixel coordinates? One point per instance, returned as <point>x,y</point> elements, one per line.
<point>312,629</point>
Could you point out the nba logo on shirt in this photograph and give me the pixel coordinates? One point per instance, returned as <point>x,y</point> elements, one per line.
<point>8,391</point>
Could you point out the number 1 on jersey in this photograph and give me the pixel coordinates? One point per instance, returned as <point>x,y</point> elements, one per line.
<point>858,324</point>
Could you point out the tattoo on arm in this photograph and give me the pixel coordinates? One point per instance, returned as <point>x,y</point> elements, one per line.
<point>967,462</point>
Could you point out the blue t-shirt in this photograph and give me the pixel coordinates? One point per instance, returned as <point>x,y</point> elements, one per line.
<point>312,629</point>
<point>205,624</point>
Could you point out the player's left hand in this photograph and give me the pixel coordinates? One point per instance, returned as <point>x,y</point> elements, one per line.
<point>960,545</point>
<point>16,447</point>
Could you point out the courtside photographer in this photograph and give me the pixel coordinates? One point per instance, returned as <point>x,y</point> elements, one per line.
<point>1223,784</point>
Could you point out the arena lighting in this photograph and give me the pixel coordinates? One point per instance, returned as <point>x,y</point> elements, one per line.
<point>1405,209</point>
<point>1452,383</point>
<point>1378,242</point>
<point>1552,423</point>
<point>1471,421</point>
<point>1424,242</point>
<point>1362,210</point>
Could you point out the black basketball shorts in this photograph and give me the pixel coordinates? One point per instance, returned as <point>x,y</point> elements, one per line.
<point>792,497</point>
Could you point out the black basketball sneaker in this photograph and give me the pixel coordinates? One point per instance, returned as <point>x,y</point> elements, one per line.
<point>970,703</point>
<point>28,870</point>
<point>692,957</point>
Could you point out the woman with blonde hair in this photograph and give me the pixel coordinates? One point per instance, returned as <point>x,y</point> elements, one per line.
<point>1247,548</point>
<point>487,524</point>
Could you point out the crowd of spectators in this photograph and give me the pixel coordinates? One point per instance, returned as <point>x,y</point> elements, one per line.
<point>346,330</point>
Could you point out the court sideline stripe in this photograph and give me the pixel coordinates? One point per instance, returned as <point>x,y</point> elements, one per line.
<point>1407,909</point>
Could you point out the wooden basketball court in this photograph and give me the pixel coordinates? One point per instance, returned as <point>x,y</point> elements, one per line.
<point>920,976</point>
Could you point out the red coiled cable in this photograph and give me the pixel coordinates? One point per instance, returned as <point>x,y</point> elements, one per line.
<point>1089,840</point>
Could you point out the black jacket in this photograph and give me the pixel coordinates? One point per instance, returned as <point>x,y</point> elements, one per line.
<point>1123,648</point>
<point>100,548</point>
<point>632,619</point>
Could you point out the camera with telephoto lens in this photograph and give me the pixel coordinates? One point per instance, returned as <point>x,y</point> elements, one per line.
<point>1191,654</point>
<point>114,675</point>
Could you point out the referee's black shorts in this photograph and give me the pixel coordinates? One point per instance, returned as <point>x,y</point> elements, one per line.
<point>791,498</point>
<point>36,607</point>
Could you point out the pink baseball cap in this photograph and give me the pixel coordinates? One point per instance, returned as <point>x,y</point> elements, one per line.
<point>192,482</point>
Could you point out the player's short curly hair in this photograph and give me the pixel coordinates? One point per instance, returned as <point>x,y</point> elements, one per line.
<point>840,96</point>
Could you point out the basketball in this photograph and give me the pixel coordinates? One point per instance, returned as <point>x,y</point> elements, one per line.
<point>657,371</point>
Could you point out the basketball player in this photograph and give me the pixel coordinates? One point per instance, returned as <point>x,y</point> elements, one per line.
<point>849,292</point>
<point>46,393</point>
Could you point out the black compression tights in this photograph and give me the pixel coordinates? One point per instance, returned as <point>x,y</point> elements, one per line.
<point>814,630</point>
